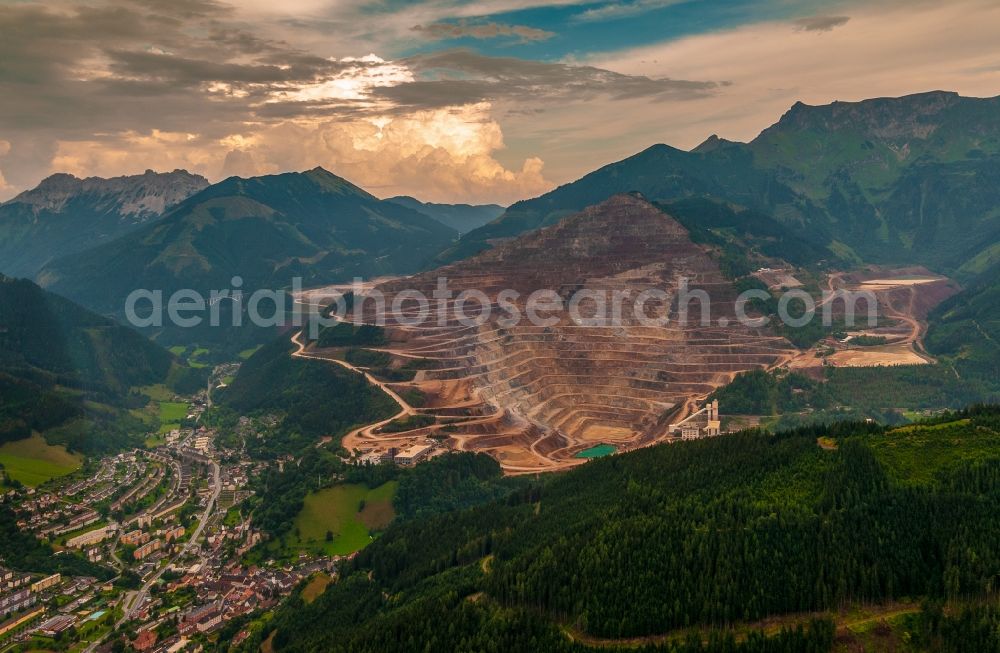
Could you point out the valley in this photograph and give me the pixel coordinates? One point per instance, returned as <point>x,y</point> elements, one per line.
<point>604,417</point>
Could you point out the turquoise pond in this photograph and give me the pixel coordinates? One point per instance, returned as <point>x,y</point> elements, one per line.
<point>596,452</point>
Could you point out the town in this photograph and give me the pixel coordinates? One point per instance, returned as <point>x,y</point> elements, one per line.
<point>165,525</point>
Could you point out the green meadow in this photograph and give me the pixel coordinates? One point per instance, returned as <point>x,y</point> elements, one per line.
<point>340,510</point>
<point>171,413</point>
<point>247,353</point>
<point>33,461</point>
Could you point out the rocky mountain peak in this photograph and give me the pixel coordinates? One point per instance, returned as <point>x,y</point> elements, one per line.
<point>133,197</point>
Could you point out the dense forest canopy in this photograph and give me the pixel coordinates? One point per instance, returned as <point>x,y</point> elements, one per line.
<point>710,534</point>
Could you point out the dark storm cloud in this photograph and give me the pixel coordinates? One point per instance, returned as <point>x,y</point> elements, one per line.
<point>820,23</point>
<point>139,65</point>
<point>441,31</point>
<point>187,71</point>
<point>463,76</point>
<point>183,9</point>
<point>101,71</point>
<point>61,66</point>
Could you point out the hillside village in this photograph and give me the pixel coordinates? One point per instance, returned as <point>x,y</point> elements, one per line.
<point>161,520</point>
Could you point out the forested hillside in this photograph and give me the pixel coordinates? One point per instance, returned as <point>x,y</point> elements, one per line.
<point>21,551</point>
<point>460,217</point>
<point>70,373</point>
<point>966,328</point>
<point>706,534</point>
<point>845,392</point>
<point>308,399</point>
<point>445,483</point>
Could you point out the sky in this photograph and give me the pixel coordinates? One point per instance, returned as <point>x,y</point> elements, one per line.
<point>448,101</point>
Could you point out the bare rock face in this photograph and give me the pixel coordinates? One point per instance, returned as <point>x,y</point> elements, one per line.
<point>64,214</point>
<point>535,395</point>
<point>135,198</point>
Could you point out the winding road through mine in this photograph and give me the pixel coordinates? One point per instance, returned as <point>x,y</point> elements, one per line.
<point>351,439</point>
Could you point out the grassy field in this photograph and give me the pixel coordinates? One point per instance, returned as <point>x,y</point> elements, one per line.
<point>247,353</point>
<point>915,455</point>
<point>154,441</point>
<point>158,392</point>
<point>194,360</point>
<point>33,461</point>
<point>339,510</point>
<point>171,414</point>
<point>317,585</point>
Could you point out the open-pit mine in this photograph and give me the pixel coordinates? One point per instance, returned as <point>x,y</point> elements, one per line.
<point>536,396</point>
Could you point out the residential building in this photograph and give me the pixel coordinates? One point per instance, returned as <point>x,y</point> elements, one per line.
<point>89,538</point>
<point>146,549</point>
<point>46,583</point>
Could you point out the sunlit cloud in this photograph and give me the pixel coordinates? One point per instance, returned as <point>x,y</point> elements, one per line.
<point>442,153</point>
<point>354,82</point>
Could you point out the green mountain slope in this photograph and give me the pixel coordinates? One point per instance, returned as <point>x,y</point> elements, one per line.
<point>660,173</point>
<point>64,214</point>
<point>308,399</point>
<point>704,535</point>
<point>895,180</point>
<point>460,217</point>
<point>67,372</point>
<point>266,230</point>
<point>966,328</point>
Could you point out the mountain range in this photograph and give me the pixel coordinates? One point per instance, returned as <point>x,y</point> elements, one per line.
<point>65,214</point>
<point>265,230</point>
<point>908,180</point>
<point>460,217</point>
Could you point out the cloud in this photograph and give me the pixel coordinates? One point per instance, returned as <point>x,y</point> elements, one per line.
<point>5,188</point>
<point>616,10</point>
<point>464,29</point>
<point>820,23</point>
<point>463,76</point>
<point>438,155</point>
<point>883,51</point>
<point>118,86</point>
